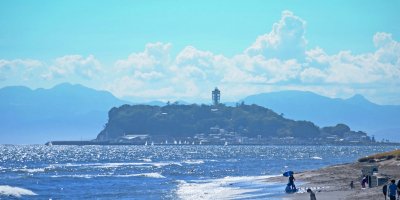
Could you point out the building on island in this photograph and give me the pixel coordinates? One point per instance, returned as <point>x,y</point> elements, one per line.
<point>216,96</point>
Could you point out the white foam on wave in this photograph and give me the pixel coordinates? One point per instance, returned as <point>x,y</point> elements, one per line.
<point>148,175</point>
<point>250,187</point>
<point>192,162</point>
<point>316,158</point>
<point>116,165</point>
<point>34,170</point>
<point>6,190</point>
<point>162,164</point>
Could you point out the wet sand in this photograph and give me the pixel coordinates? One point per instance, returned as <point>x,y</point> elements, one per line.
<point>333,183</point>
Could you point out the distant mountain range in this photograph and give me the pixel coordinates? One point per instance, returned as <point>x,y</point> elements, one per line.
<point>74,112</point>
<point>383,121</point>
<point>64,112</point>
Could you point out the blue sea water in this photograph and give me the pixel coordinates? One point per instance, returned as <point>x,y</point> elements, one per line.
<point>160,172</point>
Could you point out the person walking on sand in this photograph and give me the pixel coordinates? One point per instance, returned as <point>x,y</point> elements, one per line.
<point>398,189</point>
<point>312,194</point>
<point>291,182</point>
<point>384,190</point>
<point>363,182</point>
<point>392,190</point>
<point>351,185</point>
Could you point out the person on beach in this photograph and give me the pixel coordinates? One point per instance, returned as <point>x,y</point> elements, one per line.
<point>351,185</point>
<point>291,182</point>
<point>384,190</point>
<point>312,194</point>
<point>392,190</point>
<point>398,189</point>
<point>363,182</point>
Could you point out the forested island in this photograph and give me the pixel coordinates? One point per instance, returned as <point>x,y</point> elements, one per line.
<point>218,124</point>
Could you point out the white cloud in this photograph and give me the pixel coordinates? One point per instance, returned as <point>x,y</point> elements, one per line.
<point>73,65</point>
<point>285,41</point>
<point>277,60</point>
<point>347,68</point>
<point>191,56</point>
<point>125,86</point>
<point>154,54</point>
<point>388,49</point>
<point>310,75</point>
<point>19,69</point>
<point>153,75</point>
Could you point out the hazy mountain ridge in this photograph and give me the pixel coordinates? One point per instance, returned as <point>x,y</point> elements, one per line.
<point>69,111</point>
<point>357,112</point>
<point>65,111</point>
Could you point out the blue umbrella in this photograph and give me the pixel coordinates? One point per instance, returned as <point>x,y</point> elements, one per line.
<point>288,173</point>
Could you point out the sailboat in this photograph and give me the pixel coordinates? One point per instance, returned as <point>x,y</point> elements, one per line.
<point>226,143</point>
<point>145,144</point>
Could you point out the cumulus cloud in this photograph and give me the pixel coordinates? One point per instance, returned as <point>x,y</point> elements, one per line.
<point>285,41</point>
<point>312,75</point>
<point>347,68</point>
<point>19,69</point>
<point>277,60</point>
<point>125,86</point>
<point>155,54</point>
<point>388,49</point>
<point>73,65</point>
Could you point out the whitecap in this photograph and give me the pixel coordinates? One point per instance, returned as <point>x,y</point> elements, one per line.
<point>7,190</point>
<point>76,176</point>
<point>193,161</point>
<point>243,187</point>
<point>149,175</point>
<point>162,164</point>
<point>88,176</point>
<point>34,170</point>
<point>316,158</point>
<point>116,165</point>
<point>146,160</point>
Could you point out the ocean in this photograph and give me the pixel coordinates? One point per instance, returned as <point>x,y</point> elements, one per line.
<point>160,172</point>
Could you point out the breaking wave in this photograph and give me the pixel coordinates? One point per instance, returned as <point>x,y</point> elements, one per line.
<point>6,190</point>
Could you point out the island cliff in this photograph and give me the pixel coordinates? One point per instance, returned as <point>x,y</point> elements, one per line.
<point>243,124</point>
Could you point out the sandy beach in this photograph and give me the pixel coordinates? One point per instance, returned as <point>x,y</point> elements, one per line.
<point>333,183</point>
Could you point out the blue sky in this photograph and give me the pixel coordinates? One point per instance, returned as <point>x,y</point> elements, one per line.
<point>182,49</point>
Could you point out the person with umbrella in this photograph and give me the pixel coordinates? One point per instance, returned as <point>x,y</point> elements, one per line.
<point>291,180</point>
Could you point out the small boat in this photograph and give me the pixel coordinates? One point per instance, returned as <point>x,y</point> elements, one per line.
<point>226,143</point>
<point>145,144</point>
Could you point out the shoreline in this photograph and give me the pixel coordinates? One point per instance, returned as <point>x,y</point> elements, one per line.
<point>333,182</point>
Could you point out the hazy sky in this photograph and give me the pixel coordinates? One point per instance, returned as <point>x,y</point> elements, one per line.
<point>172,50</point>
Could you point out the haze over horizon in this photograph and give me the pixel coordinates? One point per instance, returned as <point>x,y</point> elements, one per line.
<point>152,50</point>
<point>70,86</point>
